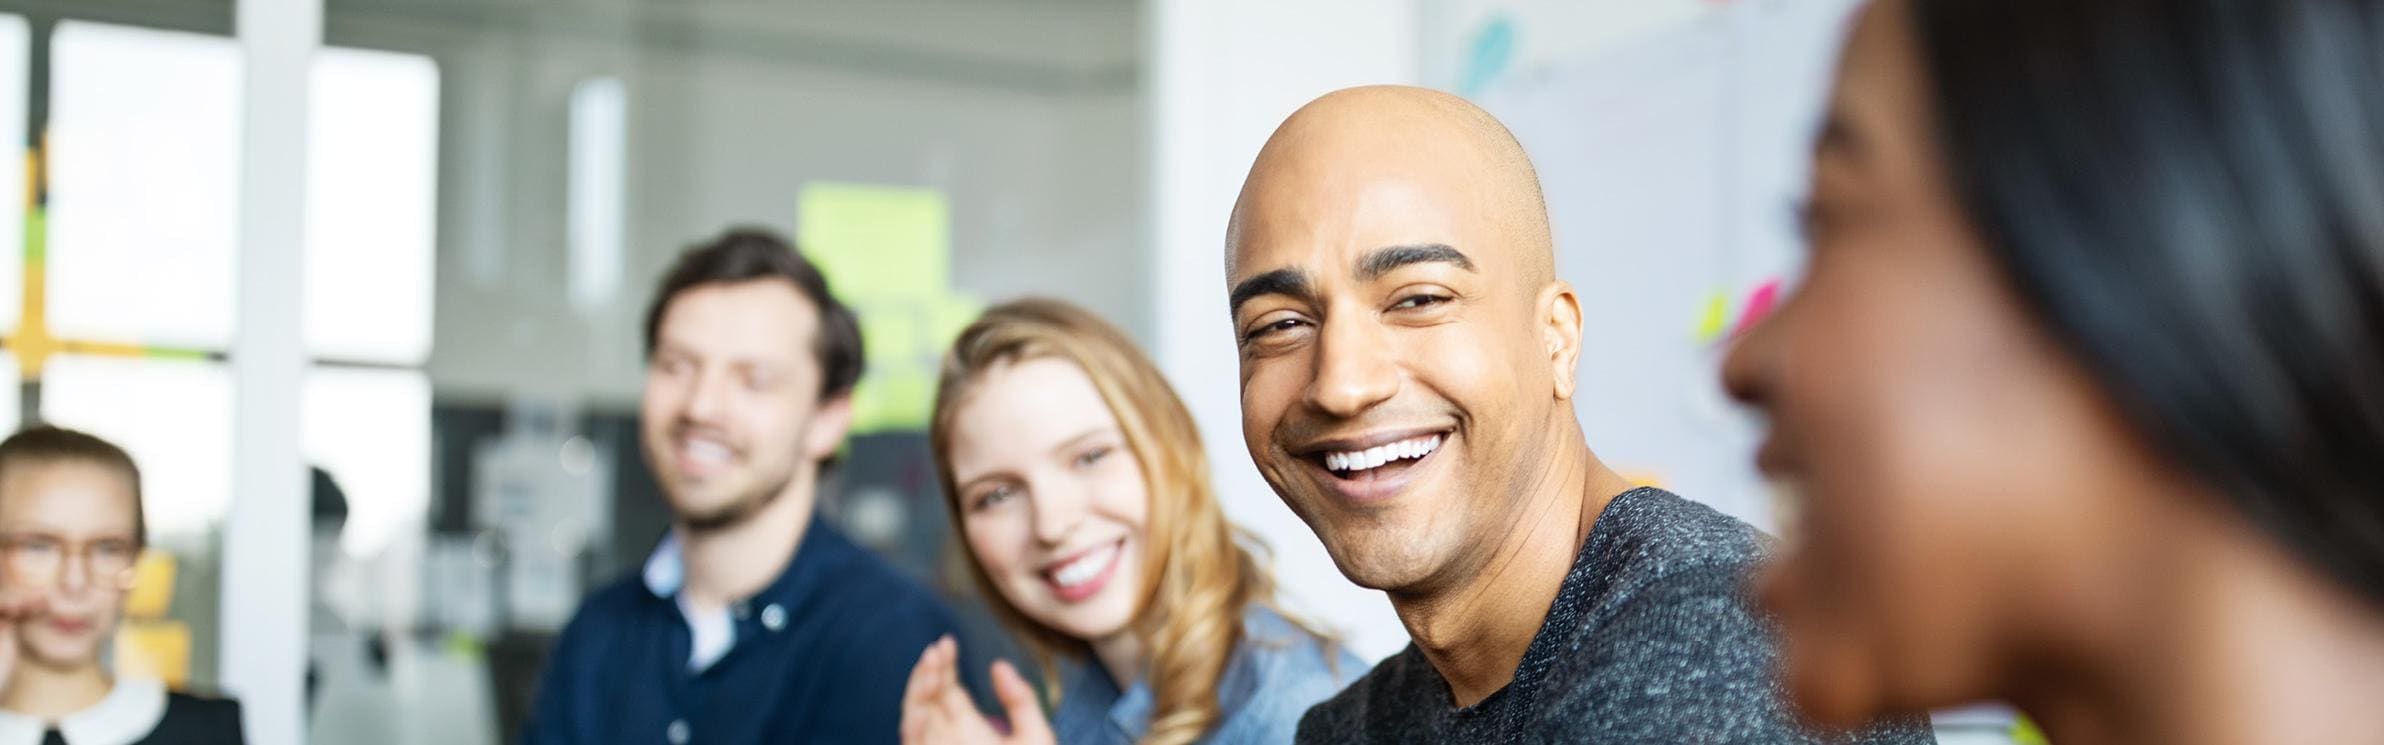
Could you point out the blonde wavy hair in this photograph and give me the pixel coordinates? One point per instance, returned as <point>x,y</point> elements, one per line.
<point>1198,578</point>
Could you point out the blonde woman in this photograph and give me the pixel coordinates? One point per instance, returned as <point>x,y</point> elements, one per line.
<point>1077,482</point>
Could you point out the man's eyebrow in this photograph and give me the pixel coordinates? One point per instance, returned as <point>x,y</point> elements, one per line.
<point>1383,260</point>
<point>1292,282</point>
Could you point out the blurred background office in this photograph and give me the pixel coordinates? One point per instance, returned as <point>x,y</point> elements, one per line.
<point>359,281</point>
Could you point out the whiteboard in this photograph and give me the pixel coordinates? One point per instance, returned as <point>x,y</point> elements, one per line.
<point>1672,166</point>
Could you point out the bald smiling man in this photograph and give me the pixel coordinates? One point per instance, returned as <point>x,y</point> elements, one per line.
<point>1407,359</point>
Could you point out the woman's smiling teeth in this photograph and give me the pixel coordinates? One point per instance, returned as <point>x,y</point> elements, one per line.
<point>1374,457</point>
<point>1075,572</point>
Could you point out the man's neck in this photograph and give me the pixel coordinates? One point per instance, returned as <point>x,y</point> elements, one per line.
<point>729,564</point>
<point>1476,630</point>
<point>51,694</point>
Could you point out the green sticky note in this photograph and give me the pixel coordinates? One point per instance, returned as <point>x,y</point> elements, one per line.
<point>947,316</point>
<point>906,343</point>
<point>886,250</point>
<point>2024,732</point>
<point>893,401</point>
<point>1716,319</point>
<point>876,242</point>
<point>891,335</point>
<point>463,646</point>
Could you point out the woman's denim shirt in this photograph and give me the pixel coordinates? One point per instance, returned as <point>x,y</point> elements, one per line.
<point>1276,673</point>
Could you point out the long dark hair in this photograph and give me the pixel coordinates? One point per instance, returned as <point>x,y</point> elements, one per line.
<point>2190,195</point>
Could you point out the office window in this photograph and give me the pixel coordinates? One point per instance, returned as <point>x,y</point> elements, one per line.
<point>144,178</point>
<point>372,190</point>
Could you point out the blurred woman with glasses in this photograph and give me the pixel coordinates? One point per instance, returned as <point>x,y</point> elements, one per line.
<point>70,532</point>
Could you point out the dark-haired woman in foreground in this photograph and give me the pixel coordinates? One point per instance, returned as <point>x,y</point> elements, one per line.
<point>2085,386</point>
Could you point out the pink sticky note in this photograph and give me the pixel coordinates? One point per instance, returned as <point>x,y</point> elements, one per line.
<point>1759,305</point>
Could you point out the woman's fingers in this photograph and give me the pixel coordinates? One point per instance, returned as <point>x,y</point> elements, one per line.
<point>921,689</point>
<point>936,708</point>
<point>955,695</point>
<point>14,607</point>
<point>919,700</point>
<point>1027,726</point>
<point>15,604</point>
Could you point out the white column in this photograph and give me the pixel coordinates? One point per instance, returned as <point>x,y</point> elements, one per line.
<point>1222,74</point>
<point>265,572</point>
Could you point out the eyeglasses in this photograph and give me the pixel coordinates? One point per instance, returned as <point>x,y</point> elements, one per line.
<point>41,560</point>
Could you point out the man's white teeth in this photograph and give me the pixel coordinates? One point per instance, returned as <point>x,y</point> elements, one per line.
<point>1086,567</point>
<point>706,450</point>
<point>1374,457</point>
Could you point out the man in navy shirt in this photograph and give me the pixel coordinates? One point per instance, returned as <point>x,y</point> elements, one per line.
<point>752,622</point>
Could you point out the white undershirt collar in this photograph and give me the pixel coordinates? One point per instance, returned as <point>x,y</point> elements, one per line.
<point>710,635</point>
<point>131,710</point>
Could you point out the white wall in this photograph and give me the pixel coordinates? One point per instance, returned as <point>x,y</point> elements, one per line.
<point>1221,75</point>
<point>1457,35</point>
<point>1672,158</point>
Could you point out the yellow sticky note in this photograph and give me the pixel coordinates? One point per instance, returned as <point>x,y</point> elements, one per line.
<point>1644,478</point>
<point>1715,320</point>
<point>876,242</point>
<point>158,650</point>
<point>152,593</point>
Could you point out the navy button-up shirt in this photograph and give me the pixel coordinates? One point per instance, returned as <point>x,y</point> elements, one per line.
<point>819,656</point>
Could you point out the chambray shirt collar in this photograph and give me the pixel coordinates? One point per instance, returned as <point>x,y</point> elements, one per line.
<point>1089,694</point>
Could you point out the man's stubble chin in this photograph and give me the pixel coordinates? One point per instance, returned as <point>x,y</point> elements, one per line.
<point>1387,553</point>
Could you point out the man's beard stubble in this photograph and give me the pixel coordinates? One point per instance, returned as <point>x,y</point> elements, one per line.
<point>736,512</point>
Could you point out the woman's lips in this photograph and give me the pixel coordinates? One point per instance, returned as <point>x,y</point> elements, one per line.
<point>1083,575</point>
<point>70,626</point>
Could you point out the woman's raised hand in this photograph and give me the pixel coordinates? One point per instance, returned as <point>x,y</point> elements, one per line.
<point>937,710</point>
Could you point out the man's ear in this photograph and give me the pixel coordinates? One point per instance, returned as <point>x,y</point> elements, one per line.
<point>1560,335</point>
<point>828,426</point>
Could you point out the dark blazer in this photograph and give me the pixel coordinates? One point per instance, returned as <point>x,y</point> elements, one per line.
<point>192,720</point>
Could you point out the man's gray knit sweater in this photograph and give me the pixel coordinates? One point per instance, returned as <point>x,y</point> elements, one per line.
<point>1650,640</point>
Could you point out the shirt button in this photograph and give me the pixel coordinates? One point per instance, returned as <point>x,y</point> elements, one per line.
<point>773,617</point>
<point>677,732</point>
